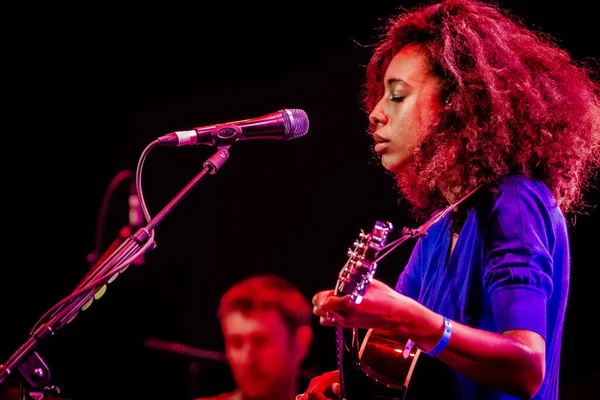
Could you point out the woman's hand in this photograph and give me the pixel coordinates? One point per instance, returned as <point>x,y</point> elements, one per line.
<point>381,308</point>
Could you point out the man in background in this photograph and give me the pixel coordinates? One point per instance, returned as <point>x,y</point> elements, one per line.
<point>266,325</point>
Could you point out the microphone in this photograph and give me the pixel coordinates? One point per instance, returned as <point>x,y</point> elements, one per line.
<point>284,124</point>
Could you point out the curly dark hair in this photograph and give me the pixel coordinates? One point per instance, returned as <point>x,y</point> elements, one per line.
<point>514,103</point>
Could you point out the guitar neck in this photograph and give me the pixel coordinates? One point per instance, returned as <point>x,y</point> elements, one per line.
<point>352,281</point>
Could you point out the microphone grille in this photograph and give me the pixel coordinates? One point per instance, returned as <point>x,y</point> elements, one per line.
<point>296,122</point>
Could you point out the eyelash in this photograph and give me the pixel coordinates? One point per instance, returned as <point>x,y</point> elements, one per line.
<point>397,98</point>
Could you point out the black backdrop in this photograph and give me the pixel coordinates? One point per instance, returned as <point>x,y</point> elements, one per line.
<point>88,89</point>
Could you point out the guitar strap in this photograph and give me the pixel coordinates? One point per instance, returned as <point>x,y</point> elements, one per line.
<point>408,233</point>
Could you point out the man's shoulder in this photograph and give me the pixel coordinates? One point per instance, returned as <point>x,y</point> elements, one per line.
<point>222,396</point>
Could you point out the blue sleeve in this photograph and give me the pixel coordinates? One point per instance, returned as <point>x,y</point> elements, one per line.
<point>519,237</point>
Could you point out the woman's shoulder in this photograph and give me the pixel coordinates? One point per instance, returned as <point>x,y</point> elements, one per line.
<point>519,187</point>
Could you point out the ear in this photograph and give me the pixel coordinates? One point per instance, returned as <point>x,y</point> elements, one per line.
<point>302,342</point>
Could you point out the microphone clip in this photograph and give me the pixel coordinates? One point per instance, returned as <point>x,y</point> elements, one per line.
<point>222,135</point>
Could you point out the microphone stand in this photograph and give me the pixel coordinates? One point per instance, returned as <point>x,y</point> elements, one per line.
<point>95,261</point>
<point>32,369</point>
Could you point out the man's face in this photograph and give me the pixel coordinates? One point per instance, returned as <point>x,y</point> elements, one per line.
<point>260,351</point>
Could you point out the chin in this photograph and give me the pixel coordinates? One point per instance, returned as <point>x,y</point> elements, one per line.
<point>254,392</point>
<point>391,164</point>
<point>257,388</point>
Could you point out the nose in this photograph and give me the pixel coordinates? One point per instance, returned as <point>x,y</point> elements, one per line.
<point>377,116</point>
<point>249,354</point>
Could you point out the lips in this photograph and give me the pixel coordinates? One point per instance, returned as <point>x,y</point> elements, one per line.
<point>380,143</point>
<point>380,147</point>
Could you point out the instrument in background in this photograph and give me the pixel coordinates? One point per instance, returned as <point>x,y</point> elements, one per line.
<point>183,349</point>
<point>13,392</point>
<point>200,354</point>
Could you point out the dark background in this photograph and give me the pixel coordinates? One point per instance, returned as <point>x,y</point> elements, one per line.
<point>87,89</point>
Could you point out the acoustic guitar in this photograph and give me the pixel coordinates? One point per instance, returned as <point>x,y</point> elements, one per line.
<point>379,364</point>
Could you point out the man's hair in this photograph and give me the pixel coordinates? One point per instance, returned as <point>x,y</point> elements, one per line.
<point>268,292</point>
<point>513,103</point>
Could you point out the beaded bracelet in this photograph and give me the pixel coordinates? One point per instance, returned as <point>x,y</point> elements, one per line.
<point>443,340</point>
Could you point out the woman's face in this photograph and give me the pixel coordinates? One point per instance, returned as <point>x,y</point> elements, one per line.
<point>410,104</point>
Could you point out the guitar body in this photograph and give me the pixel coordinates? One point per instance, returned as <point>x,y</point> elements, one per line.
<point>377,364</point>
<point>378,370</point>
<point>369,371</point>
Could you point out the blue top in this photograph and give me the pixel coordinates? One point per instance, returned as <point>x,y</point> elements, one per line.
<point>509,269</point>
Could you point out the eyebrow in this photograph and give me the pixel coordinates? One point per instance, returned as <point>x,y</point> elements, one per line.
<point>392,81</point>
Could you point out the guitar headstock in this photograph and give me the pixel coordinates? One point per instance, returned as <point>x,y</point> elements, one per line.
<point>358,271</point>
